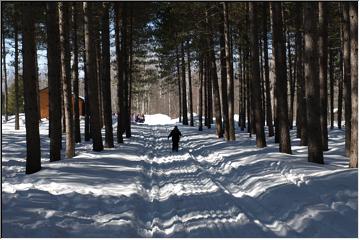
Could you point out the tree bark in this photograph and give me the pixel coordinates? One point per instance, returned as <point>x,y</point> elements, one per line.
<point>90,46</point>
<point>178,81</point>
<point>331,76</point>
<point>291,82</point>
<point>312,83</point>
<point>269,121</point>
<point>190,84</point>
<point>347,76</point>
<point>87,133</point>
<point>16,63</point>
<point>353,14</point>
<point>5,79</point>
<point>66,78</point>
<point>340,82</point>
<point>106,91</point>
<point>184,99</point>
<point>125,49</point>
<point>33,152</point>
<point>225,107</point>
<point>323,56</point>
<point>229,75</point>
<point>76,77</point>
<point>54,76</point>
<point>255,86</point>
<point>281,83</point>
<point>128,129</point>
<point>201,93</point>
<point>213,76</point>
<point>120,66</point>
<point>206,83</point>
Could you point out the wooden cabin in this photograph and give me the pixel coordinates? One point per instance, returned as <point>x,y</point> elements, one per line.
<point>44,103</point>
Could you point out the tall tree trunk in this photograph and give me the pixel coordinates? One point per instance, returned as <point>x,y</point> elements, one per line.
<point>255,86</point>
<point>5,79</point>
<point>323,56</point>
<point>229,75</point>
<point>37,82</point>
<point>331,76</point>
<point>301,89</point>
<point>210,96</point>
<point>281,83</point>
<point>54,76</point>
<point>90,46</point>
<point>87,106</point>
<point>190,84</point>
<point>353,14</point>
<point>269,121</point>
<point>240,87</point>
<point>66,77</point>
<point>244,82</point>
<point>312,83</point>
<point>215,89</point>
<point>128,129</point>
<point>178,81</point>
<point>76,76</point>
<point>184,99</point>
<point>225,108</point>
<point>340,82</point>
<point>262,82</point>
<point>106,91</point>
<point>99,69</point>
<point>275,99</point>
<point>201,77</point>
<point>291,82</point>
<point>125,47</point>
<point>214,77</point>
<point>206,83</point>
<point>120,66</point>
<point>87,133</point>
<point>347,76</point>
<point>16,63</point>
<point>33,152</point>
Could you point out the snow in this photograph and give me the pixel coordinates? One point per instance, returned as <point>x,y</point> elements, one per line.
<point>210,188</point>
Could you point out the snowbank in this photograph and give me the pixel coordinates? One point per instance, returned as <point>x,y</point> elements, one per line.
<point>159,119</point>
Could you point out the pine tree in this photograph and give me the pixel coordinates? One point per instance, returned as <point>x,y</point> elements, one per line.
<point>106,93</point>
<point>33,152</point>
<point>255,86</point>
<point>353,14</point>
<point>347,76</point>
<point>229,75</point>
<point>54,76</point>
<point>77,136</point>
<point>184,98</point>
<point>266,69</point>
<point>66,77</point>
<point>91,68</point>
<point>312,83</point>
<point>16,65</point>
<point>5,77</point>
<point>323,55</point>
<point>190,83</point>
<point>281,83</point>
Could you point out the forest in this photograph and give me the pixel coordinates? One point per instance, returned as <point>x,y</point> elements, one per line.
<point>238,70</point>
<point>312,63</point>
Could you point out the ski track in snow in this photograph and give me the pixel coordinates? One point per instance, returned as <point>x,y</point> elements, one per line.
<point>210,188</point>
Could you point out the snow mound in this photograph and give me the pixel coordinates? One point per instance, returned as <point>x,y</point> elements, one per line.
<point>159,119</point>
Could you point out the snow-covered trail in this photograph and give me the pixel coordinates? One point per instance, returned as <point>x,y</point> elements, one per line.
<point>210,188</point>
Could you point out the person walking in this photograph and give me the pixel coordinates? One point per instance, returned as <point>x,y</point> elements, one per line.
<point>175,137</point>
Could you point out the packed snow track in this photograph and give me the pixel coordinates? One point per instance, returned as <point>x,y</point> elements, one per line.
<point>210,188</point>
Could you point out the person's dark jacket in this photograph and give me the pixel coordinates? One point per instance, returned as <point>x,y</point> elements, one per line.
<point>175,134</point>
